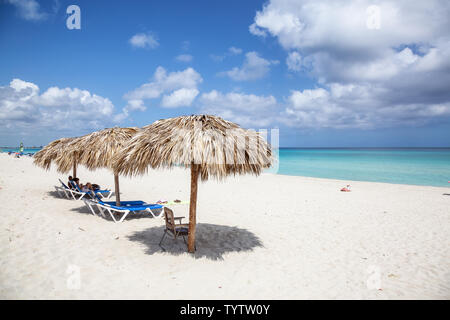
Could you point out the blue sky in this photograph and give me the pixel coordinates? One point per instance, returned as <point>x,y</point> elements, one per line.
<point>325,73</point>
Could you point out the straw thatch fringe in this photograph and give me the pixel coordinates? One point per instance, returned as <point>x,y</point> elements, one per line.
<point>43,158</point>
<point>220,147</point>
<point>95,150</point>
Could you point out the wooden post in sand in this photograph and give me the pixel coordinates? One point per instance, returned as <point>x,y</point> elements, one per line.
<point>116,189</point>
<point>193,208</point>
<point>74,173</point>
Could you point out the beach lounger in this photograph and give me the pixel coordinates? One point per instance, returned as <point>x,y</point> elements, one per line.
<point>76,191</point>
<point>63,189</point>
<point>176,230</point>
<point>125,208</point>
<point>77,194</point>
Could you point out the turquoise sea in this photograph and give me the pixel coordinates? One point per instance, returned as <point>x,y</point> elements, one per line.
<point>25,150</point>
<point>417,166</point>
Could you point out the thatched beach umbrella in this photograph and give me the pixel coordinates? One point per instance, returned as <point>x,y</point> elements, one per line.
<point>97,150</point>
<point>209,145</point>
<point>44,157</point>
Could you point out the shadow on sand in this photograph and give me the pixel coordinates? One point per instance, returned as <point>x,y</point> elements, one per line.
<point>55,194</point>
<point>83,210</point>
<point>212,241</point>
<point>61,195</point>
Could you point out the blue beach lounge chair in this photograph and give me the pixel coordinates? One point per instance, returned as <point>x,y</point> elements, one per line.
<point>77,191</point>
<point>125,208</point>
<point>71,192</point>
<point>63,189</point>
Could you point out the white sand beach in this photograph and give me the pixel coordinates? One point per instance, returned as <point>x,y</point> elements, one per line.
<point>267,237</point>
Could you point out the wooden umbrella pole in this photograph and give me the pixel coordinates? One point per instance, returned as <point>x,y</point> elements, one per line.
<point>116,190</point>
<point>74,174</point>
<point>193,208</point>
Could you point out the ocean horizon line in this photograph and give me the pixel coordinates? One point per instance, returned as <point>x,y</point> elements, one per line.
<point>399,165</point>
<point>34,147</point>
<point>364,147</point>
<point>299,147</point>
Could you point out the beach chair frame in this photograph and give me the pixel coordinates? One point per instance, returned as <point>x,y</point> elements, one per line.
<point>105,208</point>
<point>176,230</point>
<point>78,194</point>
<point>62,191</point>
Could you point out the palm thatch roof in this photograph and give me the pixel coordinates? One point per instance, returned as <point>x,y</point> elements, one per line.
<point>219,147</point>
<point>95,150</point>
<point>44,157</point>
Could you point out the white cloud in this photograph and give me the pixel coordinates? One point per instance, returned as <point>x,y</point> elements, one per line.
<point>234,50</point>
<point>312,25</point>
<point>355,106</point>
<point>238,101</point>
<point>244,109</point>
<point>132,105</point>
<point>257,31</point>
<point>184,58</point>
<point>19,85</point>
<point>170,85</point>
<point>335,40</point>
<point>316,108</point>
<point>294,61</point>
<point>136,105</point>
<point>29,9</point>
<point>164,82</point>
<point>144,40</point>
<point>121,116</point>
<point>397,74</point>
<point>254,67</point>
<point>217,58</point>
<point>179,98</point>
<point>71,109</point>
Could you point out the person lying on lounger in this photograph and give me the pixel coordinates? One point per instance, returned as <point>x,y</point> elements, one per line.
<point>69,182</point>
<point>347,188</point>
<point>95,186</point>
<point>87,187</point>
<point>75,182</point>
<point>84,187</point>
